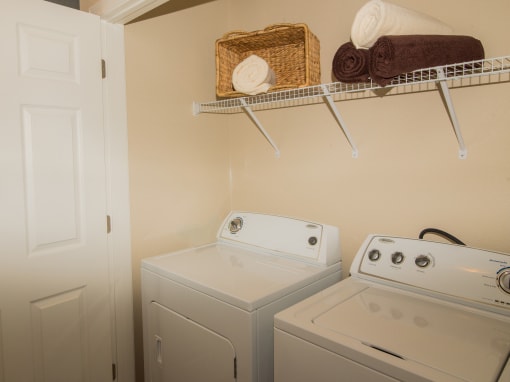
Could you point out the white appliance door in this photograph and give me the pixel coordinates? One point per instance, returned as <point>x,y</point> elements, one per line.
<point>184,351</point>
<point>54,283</point>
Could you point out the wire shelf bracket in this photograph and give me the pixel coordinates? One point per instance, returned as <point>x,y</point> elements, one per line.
<point>451,112</point>
<point>247,109</point>
<point>339,119</point>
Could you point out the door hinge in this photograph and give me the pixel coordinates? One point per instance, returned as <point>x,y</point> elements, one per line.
<point>103,69</point>
<point>108,224</point>
<point>114,371</point>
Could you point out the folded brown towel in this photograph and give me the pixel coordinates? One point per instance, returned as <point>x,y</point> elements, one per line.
<point>351,64</point>
<point>391,56</point>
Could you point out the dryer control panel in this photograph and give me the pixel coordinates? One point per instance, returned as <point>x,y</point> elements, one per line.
<point>309,241</point>
<point>453,271</point>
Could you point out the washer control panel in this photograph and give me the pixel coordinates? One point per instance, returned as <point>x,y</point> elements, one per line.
<point>457,271</point>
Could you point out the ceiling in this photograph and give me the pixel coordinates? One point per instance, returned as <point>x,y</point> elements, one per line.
<point>169,7</point>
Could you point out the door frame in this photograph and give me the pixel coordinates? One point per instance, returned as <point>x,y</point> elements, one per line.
<point>114,14</point>
<point>117,173</point>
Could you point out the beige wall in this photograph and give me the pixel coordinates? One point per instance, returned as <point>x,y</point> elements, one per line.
<point>179,164</point>
<point>408,175</point>
<point>187,172</point>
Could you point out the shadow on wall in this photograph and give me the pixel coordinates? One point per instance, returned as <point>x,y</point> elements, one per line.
<point>170,7</point>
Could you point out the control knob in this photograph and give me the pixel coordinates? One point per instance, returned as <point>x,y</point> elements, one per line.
<point>374,255</point>
<point>422,261</point>
<point>397,257</point>
<point>235,225</point>
<point>504,280</point>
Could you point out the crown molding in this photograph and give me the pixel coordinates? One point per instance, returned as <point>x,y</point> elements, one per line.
<point>123,11</point>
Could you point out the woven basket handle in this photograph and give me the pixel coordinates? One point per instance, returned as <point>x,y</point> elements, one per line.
<point>235,33</point>
<point>278,26</point>
<point>240,33</point>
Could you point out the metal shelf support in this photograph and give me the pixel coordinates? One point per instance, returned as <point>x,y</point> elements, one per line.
<point>340,120</point>
<point>255,120</point>
<point>451,112</point>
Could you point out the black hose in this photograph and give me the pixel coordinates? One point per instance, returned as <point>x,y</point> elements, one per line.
<point>442,233</point>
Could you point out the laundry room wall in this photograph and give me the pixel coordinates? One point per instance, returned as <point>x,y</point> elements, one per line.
<point>187,172</point>
<point>179,164</point>
<point>408,175</point>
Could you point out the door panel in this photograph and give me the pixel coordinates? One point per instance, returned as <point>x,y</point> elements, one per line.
<point>47,54</point>
<point>53,171</point>
<point>182,350</point>
<point>60,337</point>
<point>55,322</point>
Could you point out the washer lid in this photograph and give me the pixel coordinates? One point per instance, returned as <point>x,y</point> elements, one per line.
<point>460,342</point>
<point>244,278</point>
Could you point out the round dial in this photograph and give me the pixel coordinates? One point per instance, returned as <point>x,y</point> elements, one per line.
<point>422,261</point>
<point>235,225</point>
<point>504,280</point>
<point>397,257</point>
<point>374,255</point>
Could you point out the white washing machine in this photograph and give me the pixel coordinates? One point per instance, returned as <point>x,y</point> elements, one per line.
<point>412,310</point>
<point>208,311</point>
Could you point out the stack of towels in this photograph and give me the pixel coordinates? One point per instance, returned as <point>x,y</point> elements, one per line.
<point>253,76</point>
<point>388,40</point>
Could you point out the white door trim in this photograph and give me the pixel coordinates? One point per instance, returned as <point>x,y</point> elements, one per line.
<point>123,11</point>
<point>119,241</point>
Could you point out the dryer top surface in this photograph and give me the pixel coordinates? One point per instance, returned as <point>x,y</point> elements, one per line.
<point>245,278</point>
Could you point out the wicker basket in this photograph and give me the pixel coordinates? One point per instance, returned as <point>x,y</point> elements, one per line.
<point>290,50</point>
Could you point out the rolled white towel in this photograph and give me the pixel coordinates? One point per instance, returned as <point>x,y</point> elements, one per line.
<point>253,76</point>
<point>377,18</point>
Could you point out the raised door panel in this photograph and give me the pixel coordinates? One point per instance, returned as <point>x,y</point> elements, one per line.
<point>60,337</point>
<point>53,173</point>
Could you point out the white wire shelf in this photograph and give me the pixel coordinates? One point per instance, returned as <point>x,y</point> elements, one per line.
<point>472,73</point>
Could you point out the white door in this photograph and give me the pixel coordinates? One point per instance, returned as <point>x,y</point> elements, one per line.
<point>54,277</point>
<point>182,350</point>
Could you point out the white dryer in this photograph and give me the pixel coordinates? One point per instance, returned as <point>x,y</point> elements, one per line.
<point>208,311</point>
<point>412,310</point>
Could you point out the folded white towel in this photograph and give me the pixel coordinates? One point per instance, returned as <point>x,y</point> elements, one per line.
<point>253,76</point>
<point>377,18</point>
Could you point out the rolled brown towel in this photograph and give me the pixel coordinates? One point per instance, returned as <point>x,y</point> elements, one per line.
<point>351,64</point>
<point>391,56</point>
